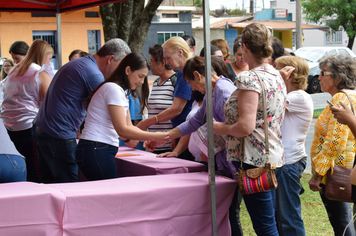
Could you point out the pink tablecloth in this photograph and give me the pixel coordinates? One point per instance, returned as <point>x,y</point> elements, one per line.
<point>30,209</point>
<point>148,164</point>
<point>175,205</point>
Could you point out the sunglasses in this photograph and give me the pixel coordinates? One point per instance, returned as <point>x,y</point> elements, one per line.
<point>323,73</point>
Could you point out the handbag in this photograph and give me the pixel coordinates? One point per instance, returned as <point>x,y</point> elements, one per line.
<point>261,178</point>
<point>338,186</point>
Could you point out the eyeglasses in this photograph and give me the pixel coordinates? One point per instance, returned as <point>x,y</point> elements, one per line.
<point>323,73</point>
<point>7,65</point>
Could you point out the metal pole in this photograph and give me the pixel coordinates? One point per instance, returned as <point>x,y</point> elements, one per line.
<point>209,114</point>
<point>298,28</point>
<point>59,36</point>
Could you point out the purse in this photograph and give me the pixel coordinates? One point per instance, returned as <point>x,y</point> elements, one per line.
<point>261,178</point>
<point>338,186</point>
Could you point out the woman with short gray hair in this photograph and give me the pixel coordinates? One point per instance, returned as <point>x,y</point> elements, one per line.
<point>333,142</point>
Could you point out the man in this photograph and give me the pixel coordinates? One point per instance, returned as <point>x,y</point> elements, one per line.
<point>62,110</point>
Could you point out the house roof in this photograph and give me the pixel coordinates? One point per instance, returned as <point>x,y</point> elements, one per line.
<point>280,25</point>
<point>219,22</point>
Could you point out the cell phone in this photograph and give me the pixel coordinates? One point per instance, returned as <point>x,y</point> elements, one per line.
<point>330,103</point>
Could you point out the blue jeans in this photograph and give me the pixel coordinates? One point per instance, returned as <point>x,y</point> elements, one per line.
<point>288,205</point>
<point>339,214</point>
<point>260,207</point>
<point>25,145</point>
<point>56,158</point>
<point>12,168</point>
<point>96,160</point>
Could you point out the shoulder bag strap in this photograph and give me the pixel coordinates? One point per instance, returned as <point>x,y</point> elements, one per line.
<point>351,105</point>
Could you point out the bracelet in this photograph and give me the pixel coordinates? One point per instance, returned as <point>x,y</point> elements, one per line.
<point>156,120</point>
<point>127,140</point>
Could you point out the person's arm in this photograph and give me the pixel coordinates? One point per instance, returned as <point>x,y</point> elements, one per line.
<point>345,116</point>
<point>125,128</point>
<point>174,110</point>
<point>179,149</point>
<point>247,107</point>
<point>45,79</point>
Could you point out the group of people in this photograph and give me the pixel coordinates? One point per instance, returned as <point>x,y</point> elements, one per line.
<point>43,111</point>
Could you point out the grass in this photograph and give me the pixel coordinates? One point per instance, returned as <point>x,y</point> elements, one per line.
<point>317,112</point>
<point>315,218</point>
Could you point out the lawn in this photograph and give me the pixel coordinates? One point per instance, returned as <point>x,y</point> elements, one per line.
<point>314,215</point>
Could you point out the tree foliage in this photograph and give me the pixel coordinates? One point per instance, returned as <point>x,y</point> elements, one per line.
<point>129,20</point>
<point>335,13</point>
<point>236,12</point>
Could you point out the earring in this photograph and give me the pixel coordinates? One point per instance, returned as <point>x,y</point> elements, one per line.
<point>200,81</point>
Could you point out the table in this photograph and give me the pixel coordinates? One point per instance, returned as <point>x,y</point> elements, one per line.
<point>147,163</point>
<point>174,205</point>
<point>30,209</point>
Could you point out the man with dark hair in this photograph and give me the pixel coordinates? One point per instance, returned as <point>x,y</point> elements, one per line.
<point>190,41</point>
<point>62,110</point>
<point>18,51</point>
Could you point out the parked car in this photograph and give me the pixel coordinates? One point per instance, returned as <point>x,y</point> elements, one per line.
<point>313,55</point>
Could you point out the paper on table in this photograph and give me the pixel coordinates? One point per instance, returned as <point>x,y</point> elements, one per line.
<point>126,154</point>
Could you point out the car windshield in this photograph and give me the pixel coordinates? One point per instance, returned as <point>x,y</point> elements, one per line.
<point>311,55</point>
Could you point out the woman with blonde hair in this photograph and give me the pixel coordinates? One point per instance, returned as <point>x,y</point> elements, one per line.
<point>25,88</point>
<point>244,121</point>
<point>6,68</point>
<point>298,116</point>
<point>177,52</point>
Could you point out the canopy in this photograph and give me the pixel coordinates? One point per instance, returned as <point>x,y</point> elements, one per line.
<point>50,6</point>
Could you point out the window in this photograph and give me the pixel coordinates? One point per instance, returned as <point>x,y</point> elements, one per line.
<point>169,15</point>
<point>51,38</point>
<point>333,37</point>
<point>42,14</point>
<point>164,36</point>
<point>93,41</point>
<point>91,14</point>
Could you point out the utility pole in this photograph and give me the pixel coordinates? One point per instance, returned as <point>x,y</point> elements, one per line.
<point>251,6</point>
<point>298,28</point>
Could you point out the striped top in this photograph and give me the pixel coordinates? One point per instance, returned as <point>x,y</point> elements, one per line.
<point>160,99</point>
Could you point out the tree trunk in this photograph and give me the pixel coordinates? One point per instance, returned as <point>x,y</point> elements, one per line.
<point>351,42</point>
<point>129,20</point>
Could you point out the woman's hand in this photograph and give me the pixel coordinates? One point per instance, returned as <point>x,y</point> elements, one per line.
<point>168,154</point>
<point>204,157</point>
<point>219,128</point>
<point>132,143</point>
<point>142,125</point>
<point>150,145</point>
<point>314,182</point>
<point>286,72</point>
<point>343,114</point>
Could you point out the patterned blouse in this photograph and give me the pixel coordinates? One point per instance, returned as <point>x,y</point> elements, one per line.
<point>255,142</point>
<point>333,143</point>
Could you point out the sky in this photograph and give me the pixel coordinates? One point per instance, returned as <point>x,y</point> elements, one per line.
<point>233,4</point>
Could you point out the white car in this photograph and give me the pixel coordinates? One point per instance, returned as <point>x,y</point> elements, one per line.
<point>313,56</point>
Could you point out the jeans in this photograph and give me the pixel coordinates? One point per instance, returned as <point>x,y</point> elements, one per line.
<point>25,145</point>
<point>56,158</point>
<point>12,168</point>
<point>260,207</point>
<point>339,214</point>
<point>96,160</point>
<point>288,204</point>
<point>234,214</point>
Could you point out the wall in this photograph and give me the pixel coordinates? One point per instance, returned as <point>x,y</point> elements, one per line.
<point>198,34</point>
<point>19,26</point>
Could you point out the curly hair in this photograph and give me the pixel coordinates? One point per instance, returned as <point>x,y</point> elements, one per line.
<point>301,70</point>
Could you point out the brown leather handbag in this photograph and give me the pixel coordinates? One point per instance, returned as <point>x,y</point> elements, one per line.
<point>258,179</point>
<point>338,186</point>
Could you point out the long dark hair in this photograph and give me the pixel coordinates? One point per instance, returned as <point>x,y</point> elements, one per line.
<point>135,61</point>
<point>197,64</point>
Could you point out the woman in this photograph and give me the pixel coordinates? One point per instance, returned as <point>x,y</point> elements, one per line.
<point>164,106</point>
<point>6,68</point>
<point>334,143</point>
<point>298,117</point>
<point>77,54</point>
<point>244,120</point>
<point>18,51</point>
<point>239,64</point>
<point>25,88</point>
<point>224,47</point>
<point>214,51</point>
<point>108,118</point>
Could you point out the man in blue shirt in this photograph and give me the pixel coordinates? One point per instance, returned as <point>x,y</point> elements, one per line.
<point>62,110</point>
